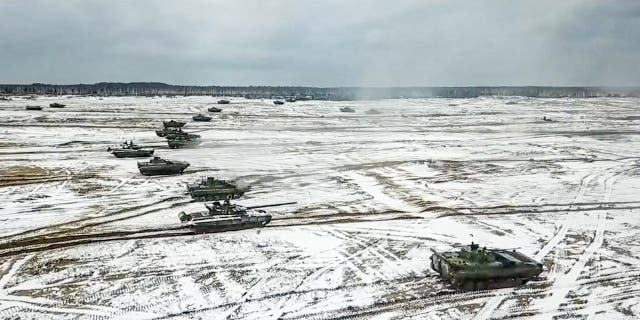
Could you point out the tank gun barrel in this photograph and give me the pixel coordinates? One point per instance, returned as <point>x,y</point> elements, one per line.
<point>272,205</point>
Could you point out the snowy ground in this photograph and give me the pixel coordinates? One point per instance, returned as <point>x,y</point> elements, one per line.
<point>85,236</point>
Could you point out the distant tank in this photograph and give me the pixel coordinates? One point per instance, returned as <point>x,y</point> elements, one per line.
<point>511,103</point>
<point>201,117</point>
<point>212,189</point>
<point>347,109</point>
<point>223,101</point>
<point>56,105</point>
<point>475,268</point>
<point>130,150</point>
<point>278,102</point>
<point>173,124</point>
<point>214,109</point>
<point>228,217</point>
<point>290,99</point>
<point>159,166</point>
<point>33,107</point>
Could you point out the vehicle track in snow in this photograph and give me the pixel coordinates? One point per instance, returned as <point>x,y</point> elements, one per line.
<point>607,178</point>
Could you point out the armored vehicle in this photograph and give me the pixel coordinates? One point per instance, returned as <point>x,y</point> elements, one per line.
<point>347,109</point>
<point>278,102</point>
<point>159,166</point>
<point>212,189</point>
<point>223,101</point>
<point>56,105</point>
<point>475,268</point>
<point>201,117</point>
<point>290,99</point>
<point>173,124</point>
<point>132,153</point>
<point>214,109</point>
<point>227,217</point>
<point>130,150</point>
<point>33,107</point>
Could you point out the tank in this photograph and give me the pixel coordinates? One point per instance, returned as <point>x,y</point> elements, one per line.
<point>228,217</point>
<point>56,105</point>
<point>201,117</point>
<point>223,101</point>
<point>173,124</point>
<point>347,109</point>
<point>290,99</point>
<point>212,189</point>
<point>278,102</point>
<point>214,109</point>
<point>475,268</point>
<point>132,153</point>
<point>130,150</point>
<point>159,166</point>
<point>33,107</point>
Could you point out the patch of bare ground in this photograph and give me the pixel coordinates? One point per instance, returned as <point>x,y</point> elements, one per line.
<point>21,175</point>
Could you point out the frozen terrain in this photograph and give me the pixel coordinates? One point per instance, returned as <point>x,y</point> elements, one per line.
<point>84,236</point>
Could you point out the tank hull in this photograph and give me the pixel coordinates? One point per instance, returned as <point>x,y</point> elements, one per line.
<point>215,194</point>
<point>156,170</point>
<point>132,153</point>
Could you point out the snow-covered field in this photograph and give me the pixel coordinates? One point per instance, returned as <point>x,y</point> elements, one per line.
<point>84,236</point>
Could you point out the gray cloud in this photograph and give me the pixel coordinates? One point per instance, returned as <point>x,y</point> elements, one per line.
<point>322,43</point>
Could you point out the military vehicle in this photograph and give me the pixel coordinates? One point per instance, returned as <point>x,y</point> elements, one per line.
<point>130,150</point>
<point>511,103</point>
<point>290,99</point>
<point>475,268</point>
<point>347,109</point>
<point>373,111</point>
<point>278,102</point>
<point>223,101</point>
<point>173,124</point>
<point>33,107</point>
<point>56,105</point>
<point>159,166</point>
<point>212,189</point>
<point>214,109</point>
<point>168,131</point>
<point>228,217</point>
<point>132,153</point>
<point>201,117</point>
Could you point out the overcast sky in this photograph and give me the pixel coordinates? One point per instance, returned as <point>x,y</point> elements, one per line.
<point>322,43</point>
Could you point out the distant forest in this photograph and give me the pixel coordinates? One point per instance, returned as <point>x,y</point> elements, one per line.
<point>337,93</point>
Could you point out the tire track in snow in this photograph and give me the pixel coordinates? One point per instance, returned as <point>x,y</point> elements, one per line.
<point>565,282</point>
<point>492,304</point>
<point>371,187</point>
